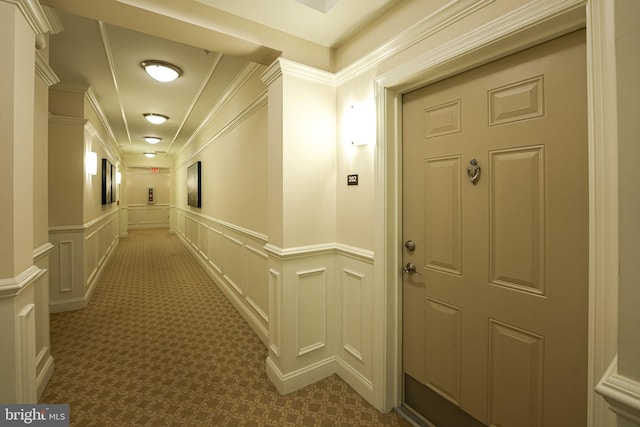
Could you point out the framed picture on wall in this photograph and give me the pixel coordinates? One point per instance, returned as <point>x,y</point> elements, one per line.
<point>113,184</point>
<point>107,182</point>
<point>193,185</point>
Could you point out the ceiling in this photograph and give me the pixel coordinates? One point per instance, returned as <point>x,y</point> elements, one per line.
<point>105,58</point>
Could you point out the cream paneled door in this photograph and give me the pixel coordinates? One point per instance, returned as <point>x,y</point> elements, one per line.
<point>495,315</point>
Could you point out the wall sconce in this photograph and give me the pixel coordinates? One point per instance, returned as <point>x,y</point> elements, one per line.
<point>360,125</point>
<point>91,163</point>
<point>118,177</point>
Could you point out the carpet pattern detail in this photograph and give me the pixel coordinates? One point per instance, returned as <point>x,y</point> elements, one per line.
<point>160,345</point>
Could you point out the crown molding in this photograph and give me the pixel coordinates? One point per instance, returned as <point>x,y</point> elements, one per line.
<point>286,67</point>
<point>440,19</point>
<point>44,71</point>
<point>34,14</point>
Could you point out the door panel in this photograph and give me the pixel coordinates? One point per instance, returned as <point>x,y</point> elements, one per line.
<point>495,320</point>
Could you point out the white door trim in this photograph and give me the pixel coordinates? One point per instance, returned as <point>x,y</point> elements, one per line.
<point>464,53</point>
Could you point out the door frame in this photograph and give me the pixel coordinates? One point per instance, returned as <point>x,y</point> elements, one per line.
<point>486,44</point>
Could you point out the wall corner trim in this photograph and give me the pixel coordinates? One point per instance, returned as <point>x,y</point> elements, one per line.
<point>621,393</point>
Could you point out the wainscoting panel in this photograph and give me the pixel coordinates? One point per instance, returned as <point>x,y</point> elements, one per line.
<point>78,257</point>
<point>256,292</point>
<point>234,259</point>
<point>44,360</point>
<point>148,216</point>
<point>27,390</point>
<point>354,270</point>
<point>275,302</point>
<point>233,267</point>
<point>311,290</point>
<point>215,249</point>
<point>353,288</point>
<point>311,306</point>
<point>65,265</point>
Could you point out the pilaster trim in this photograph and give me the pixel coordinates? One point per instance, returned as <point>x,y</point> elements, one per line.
<point>621,393</point>
<point>44,71</point>
<point>34,14</point>
<point>13,286</point>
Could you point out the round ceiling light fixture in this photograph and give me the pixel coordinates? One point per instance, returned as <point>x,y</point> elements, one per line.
<point>152,139</point>
<point>156,119</point>
<point>161,71</point>
<point>150,155</point>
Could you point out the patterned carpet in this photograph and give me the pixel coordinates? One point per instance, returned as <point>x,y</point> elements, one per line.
<point>160,345</point>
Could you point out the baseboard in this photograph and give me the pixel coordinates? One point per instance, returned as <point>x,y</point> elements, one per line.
<point>356,380</point>
<point>71,304</point>
<point>46,372</point>
<point>288,383</point>
<point>621,393</point>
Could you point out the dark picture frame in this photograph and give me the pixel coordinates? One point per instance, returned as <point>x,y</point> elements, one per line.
<point>107,182</point>
<point>193,185</point>
<point>113,184</point>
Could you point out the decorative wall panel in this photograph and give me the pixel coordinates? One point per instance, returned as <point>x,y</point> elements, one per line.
<point>257,287</point>
<point>65,266</point>
<point>232,265</point>
<point>311,307</point>
<point>353,309</point>
<point>275,302</point>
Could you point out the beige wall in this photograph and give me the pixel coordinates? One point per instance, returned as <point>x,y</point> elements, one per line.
<point>234,164</point>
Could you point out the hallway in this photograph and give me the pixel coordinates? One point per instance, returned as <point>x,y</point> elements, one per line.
<point>159,344</point>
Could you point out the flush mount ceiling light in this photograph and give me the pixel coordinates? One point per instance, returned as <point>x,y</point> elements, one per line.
<point>161,71</point>
<point>152,139</point>
<point>156,119</point>
<point>150,155</point>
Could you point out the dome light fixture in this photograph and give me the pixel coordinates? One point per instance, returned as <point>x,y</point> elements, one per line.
<point>161,71</point>
<point>150,155</point>
<point>156,119</point>
<point>152,139</point>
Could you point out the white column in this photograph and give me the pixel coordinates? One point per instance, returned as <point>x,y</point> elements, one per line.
<point>301,225</point>
<point>20,21</point>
